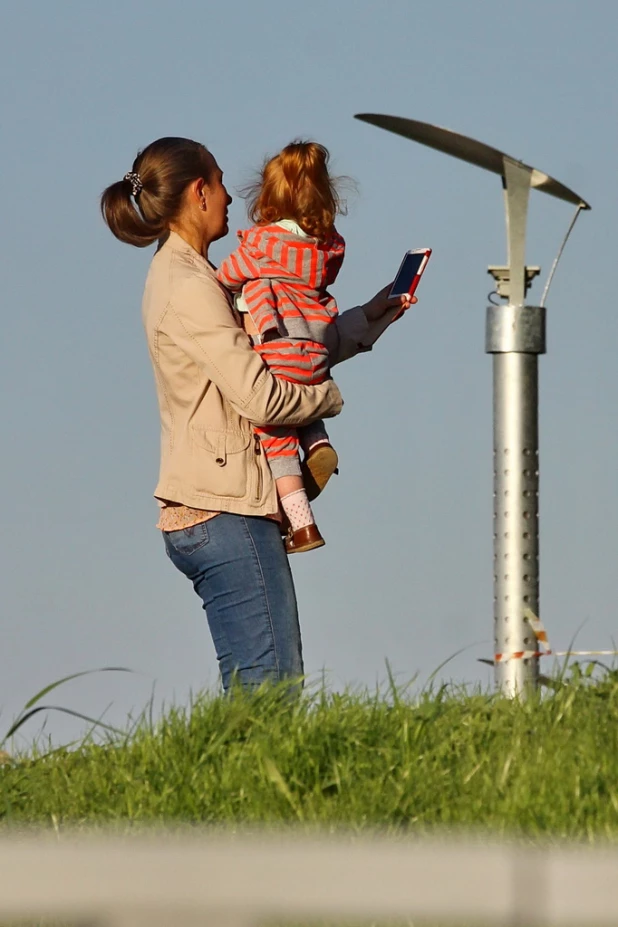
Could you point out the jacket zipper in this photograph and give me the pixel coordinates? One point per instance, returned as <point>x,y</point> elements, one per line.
<point>257,445</point>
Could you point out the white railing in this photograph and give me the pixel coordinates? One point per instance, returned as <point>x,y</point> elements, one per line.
<point>179,880</point>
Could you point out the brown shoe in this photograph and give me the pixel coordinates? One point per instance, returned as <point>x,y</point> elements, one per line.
<point>317,469</point>
<point>307,538</point>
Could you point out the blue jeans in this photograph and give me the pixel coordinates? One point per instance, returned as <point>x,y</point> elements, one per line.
<point>240,570</point>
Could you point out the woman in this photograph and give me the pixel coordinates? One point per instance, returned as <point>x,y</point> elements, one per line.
<point>217,497</point>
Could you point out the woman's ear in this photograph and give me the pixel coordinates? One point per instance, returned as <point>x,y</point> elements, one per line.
<point>197,193</point>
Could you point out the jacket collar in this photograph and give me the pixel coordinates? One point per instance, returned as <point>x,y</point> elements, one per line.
<point>175,242</point>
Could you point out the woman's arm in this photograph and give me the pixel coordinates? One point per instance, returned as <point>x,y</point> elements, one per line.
<point>357,330</point>
<point>200,321</point>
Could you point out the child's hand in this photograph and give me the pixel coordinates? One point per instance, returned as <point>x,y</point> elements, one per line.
<point>381,303</point>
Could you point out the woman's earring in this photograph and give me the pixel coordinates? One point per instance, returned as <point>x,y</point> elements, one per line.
<point>203,205</point>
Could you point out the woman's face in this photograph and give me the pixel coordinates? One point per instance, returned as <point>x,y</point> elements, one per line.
<point>217,201</point>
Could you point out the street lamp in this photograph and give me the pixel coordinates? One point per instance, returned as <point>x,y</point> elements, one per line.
<point>515,336</point>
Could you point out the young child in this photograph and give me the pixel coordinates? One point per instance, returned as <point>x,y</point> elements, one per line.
<point>280,273</point>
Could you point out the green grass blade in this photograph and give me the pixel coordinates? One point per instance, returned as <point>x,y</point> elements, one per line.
<point>452,657</point>
<point>59,682</point>
<point>68,711</point>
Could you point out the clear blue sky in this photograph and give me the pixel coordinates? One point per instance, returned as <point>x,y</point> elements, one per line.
<point>406,573</point>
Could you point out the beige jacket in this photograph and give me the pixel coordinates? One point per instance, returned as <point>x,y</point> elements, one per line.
<point>212,386</point>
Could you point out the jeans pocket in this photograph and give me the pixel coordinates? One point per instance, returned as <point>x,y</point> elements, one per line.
<point>187,540</point>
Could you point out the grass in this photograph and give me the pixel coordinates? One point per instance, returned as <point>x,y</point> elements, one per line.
<point>548,767</point>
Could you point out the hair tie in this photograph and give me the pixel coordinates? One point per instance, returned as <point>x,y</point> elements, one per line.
<point>136,182</point>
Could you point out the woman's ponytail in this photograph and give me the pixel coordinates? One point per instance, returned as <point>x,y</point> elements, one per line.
<point>124,219</point>
<point>139,209</point>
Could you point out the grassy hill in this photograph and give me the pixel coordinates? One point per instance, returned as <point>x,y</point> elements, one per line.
<point>445,757</point>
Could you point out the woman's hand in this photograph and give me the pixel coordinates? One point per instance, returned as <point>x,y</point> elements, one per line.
<point>381,303</point>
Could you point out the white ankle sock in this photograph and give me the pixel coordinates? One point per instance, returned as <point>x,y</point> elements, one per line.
<point>317,443</point>
<point>296,507</point>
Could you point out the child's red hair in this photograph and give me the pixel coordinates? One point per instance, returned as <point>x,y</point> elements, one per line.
<point>296,184</point>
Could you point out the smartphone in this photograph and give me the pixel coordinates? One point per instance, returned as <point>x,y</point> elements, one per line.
<point>410,272</point>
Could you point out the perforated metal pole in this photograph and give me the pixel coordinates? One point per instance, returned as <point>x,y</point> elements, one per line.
<point>515,335</point>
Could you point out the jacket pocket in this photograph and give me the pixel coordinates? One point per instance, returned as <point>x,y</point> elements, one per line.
<point>221,461</point>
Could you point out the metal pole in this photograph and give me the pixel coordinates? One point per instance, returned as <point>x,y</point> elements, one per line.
<point>515,335</point>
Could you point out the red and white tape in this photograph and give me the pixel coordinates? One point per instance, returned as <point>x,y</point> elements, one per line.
<point>540,638</point>
<point>524,654</point>
<point>543,648</point>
